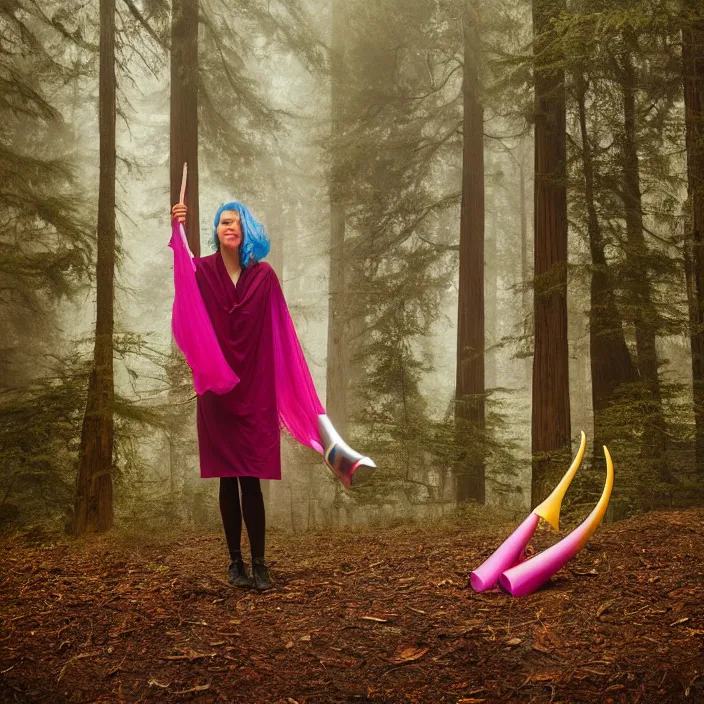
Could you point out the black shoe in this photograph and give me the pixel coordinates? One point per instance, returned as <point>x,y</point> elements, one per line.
<point>262,580</point>
<point>239,574</point>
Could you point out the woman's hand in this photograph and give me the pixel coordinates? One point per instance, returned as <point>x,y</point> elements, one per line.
<point>179,212</point>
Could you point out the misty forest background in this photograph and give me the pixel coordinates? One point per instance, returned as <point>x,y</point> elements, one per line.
<point>487,218</point>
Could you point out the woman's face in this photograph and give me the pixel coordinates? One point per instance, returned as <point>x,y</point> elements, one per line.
<point>230,230</point>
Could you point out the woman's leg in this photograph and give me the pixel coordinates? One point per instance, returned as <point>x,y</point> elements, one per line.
<point>231,516</point>
<point>253,512</point>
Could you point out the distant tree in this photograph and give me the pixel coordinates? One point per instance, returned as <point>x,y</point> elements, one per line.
<point>640,287</point>
<point>337,371</point>
<point>469,386</point>
<point>45,243</point>
<point>238,129</point>
<point>611,363</point>
<point>624,137</point>
<point>45,252</point>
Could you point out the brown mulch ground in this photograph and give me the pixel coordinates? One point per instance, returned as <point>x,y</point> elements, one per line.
<point>367,616</point>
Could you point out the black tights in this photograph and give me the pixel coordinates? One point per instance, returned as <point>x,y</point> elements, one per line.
<point>252,510</point>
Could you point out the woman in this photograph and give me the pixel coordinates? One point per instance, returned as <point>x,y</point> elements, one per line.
<point>238,431</point>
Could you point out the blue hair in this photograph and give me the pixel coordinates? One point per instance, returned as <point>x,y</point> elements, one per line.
<point>255,244</point>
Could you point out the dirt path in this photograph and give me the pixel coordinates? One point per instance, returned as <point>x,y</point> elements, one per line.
<point>367,617</point>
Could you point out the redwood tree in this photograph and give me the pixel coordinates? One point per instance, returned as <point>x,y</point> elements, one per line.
<point>551,402</point>
<point>611,363</point>
<point>640,288</point>
<point>469,386</point>
<point>184,111</point>
<point>94,490</point>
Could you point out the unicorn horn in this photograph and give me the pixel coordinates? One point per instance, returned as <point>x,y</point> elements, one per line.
<point>526,577</point>
<point>510,551</point>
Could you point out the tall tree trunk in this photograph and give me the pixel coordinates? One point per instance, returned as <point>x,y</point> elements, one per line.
<point>469,383</point>
<point>491,305</point>
<point>637,257</point>
<point>551,400</point>
<point>183,148</point>
<point>693,78</point>
<point>337,361</point>
<point>523,219</point>
<point>611,363</point>
<point>93,510</point>
<point>184,112</point>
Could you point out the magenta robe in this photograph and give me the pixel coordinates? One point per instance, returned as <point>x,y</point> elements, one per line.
<point>238,432</point>
<point>249,371</point>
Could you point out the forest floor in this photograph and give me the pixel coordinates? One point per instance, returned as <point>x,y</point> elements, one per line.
<point>363,616</point>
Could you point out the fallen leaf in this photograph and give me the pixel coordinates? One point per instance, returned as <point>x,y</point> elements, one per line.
<point>289,645</point>
<point>410,654</point>
<point>514,641</point>
<point>305,639</point>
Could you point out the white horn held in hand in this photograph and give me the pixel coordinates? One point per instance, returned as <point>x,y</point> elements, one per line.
<point>351,468</point>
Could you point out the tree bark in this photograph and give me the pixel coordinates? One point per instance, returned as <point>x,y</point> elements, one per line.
<point>523,218</point>
<point>611,363</point>
<point>338,355</point>
<point>469,383</point>
<point>93,510</point>
<point>639,286</point>
<point>693,79</point>
<point>491,306</point>
<point>551,427</point>
<point>184,112</point>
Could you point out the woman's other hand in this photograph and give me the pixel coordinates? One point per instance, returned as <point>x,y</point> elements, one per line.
<point>179,212</point>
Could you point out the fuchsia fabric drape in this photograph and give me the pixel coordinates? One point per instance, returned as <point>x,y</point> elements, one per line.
<point>248,367</point>
<point>191,326</point>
